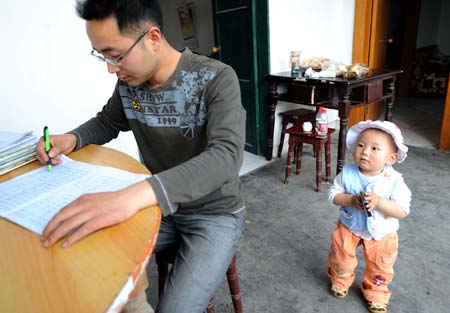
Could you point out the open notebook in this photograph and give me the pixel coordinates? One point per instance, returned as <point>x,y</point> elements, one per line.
<point>32,199</point>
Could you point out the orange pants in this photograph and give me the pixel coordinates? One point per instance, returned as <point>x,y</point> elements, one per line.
<point>380,256</point>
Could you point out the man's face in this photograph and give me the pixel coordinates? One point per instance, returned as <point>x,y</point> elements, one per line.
<point>138,64</point>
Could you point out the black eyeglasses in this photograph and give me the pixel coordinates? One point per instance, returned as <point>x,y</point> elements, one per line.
<point>118,61</point>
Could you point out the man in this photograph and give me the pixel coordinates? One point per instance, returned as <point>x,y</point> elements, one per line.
<point>186,115</point>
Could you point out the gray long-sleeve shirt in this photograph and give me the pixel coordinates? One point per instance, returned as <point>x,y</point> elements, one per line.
<point>190,132</point>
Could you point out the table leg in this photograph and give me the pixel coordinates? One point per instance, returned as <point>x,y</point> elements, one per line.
<point>390,101</point>
<point>284,123</point>
<point>318,148</point>
<point>344,113</point>
<point>299,152</point>
<point>292,144</point>
<point>328,158</point>
<point>272,106</point>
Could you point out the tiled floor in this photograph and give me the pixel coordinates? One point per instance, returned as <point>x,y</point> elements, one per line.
<point>420,120</point>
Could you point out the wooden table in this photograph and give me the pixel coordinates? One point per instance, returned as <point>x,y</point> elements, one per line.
<point>96,274</point>
<point>333,93</point>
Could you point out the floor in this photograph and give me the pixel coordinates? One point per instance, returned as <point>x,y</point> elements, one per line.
<point>251,163</point>
<point>419,118</point>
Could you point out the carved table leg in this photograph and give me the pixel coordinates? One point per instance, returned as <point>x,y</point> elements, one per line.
<point>344,112</point>
<point>390,101</point>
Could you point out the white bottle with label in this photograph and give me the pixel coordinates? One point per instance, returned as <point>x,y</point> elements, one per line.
<point>321,126</point>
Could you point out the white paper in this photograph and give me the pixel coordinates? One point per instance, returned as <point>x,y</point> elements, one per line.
<point>32,199</point>
<point>324,74</point>
<point>16,149</point>
<point>11,140</point>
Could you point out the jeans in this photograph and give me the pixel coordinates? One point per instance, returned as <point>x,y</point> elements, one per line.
<point>206,245</point>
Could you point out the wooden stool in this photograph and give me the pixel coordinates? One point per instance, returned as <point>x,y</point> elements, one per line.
<point>297,137</point>
<point>167,256</point>
<point>297,116</point>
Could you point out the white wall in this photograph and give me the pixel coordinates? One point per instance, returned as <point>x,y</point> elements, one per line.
<point>320,28</point>
<point>49,78</point>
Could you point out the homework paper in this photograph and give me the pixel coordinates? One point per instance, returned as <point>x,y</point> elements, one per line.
<point>32,199</point>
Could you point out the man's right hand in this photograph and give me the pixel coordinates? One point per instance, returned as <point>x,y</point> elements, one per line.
<point>60,144</point>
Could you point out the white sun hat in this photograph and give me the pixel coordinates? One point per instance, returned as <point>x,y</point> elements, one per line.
<point>389,127</point>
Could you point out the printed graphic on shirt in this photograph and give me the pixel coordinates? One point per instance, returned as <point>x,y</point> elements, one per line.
<point>182,106</point>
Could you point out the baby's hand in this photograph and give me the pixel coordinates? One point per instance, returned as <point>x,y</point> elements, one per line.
<point>372,199</point>
<point>356,202</point>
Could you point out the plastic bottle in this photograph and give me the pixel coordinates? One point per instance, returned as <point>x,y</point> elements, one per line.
<point>321,122</point>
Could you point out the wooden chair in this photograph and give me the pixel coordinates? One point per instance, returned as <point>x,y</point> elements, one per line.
<point>297,116</point>
<point>167,256</point>
<point>297,137</point>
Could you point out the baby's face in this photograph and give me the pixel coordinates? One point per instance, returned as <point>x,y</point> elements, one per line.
<point>373,150</point>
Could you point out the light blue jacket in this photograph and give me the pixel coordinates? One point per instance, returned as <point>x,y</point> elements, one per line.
<point>388,185</point>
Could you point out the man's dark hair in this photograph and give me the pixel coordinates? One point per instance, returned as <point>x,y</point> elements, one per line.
<point>131,15</point>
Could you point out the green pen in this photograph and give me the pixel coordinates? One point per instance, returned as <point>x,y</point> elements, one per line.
<point>47,147</point>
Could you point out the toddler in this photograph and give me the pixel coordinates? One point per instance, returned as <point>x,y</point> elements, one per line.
<point>372,197</point>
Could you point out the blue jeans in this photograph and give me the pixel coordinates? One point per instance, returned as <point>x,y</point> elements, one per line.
<point>206,245</point>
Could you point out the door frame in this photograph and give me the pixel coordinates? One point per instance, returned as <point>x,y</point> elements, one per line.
<point>444,141</point>
<point>259,20</point>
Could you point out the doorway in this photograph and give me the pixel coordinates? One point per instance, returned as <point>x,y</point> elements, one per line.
<point>409,41</point>
<point>414,28</point>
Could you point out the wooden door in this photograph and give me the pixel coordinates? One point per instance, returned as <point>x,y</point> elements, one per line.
<point>242,42</point>
<point>444,142</point>
<point>369,46</point>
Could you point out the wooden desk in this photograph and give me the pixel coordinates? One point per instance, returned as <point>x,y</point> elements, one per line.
<point>333,93</point>
<point>96,274</point>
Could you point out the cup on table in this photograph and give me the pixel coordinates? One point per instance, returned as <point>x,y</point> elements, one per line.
<point>294,62</point>
<point>307,127</point>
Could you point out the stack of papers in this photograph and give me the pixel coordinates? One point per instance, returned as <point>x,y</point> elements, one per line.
<point>16,149</point>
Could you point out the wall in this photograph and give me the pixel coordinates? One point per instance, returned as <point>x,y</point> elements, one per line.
<point>429,18</point>
<point>443,39</point>
<point>434,23</point>
<point>49,77</point>
<point>321,28</point>
<point>203,23</point>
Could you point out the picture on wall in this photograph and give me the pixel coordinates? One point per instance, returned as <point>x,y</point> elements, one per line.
<point>186,16</point>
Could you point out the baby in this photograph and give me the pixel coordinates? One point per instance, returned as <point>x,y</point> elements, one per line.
<point>372,197</point>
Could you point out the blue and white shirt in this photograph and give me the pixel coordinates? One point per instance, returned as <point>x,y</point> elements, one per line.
<point>389,184</point>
